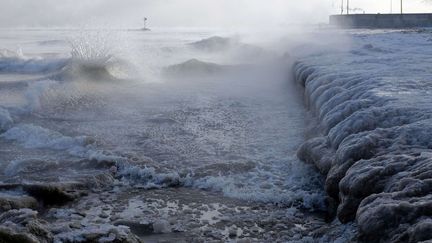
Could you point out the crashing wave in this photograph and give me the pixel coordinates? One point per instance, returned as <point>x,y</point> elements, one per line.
<point>77,67</point>
<point>95,57</point>
<point>86,70</point>
<point>98,69</point>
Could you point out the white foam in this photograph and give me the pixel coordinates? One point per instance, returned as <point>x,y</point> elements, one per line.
<point>149,178</point>
<point>296,193</point>
<point>300,187</point>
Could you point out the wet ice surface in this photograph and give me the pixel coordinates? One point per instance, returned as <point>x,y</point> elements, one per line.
<point>189,157</point>
<point>187,215</point>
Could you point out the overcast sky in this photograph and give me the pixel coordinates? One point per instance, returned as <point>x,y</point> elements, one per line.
<point>183,13</point>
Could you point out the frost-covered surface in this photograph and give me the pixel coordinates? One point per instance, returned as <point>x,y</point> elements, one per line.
<point>372,102</point>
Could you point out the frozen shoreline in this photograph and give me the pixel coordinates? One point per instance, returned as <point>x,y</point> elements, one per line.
<point>374,148</point>
<point>188,140</point>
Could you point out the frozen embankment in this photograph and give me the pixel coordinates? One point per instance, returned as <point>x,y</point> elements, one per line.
<point>372,103</point>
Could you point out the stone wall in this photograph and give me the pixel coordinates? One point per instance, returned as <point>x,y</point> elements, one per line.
<point>382,20</point>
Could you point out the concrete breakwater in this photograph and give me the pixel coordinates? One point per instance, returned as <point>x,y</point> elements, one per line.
<point>373,153</point>
<point>382,20</point>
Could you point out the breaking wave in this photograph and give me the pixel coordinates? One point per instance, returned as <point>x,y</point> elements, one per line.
<point>94,55</point>
<point>97,55</point>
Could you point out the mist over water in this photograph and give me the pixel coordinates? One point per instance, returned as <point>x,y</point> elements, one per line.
<point>194,123</point>
<point>111,132</point>
<point>156,110</point>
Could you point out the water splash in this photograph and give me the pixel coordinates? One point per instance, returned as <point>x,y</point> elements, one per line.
<point>93,47</point>
<point>99,55</point>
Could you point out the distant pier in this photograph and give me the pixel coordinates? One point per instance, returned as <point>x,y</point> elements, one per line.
<point>382,20</point>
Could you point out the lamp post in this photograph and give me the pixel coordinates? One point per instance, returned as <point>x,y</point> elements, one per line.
<point>401,6</point>
<point>342,6</point>
<point>391,6</point>
<point>348,7</point>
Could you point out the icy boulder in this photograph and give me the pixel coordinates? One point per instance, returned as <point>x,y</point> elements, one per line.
<point>23,226</point>
<point>375,145</point>
<point>98,233</point>
<point>197,68</point>
<point>215,43</point>
<point>194,66</point>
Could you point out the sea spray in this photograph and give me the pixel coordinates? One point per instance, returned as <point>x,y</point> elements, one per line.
<point>101,55</point>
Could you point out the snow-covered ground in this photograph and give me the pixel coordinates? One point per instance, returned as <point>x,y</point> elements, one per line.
<point>372,99</point>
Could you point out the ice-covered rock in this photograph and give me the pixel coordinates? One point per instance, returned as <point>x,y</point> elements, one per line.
<point>98,233</point>
<point>22,225</point>
<point>11,201</point>
<point>194,67</point>
<point>232,46</point>
<point>161,226</point>
<point>375,128</point>
<point>25,226</point>
<point>215,43</point>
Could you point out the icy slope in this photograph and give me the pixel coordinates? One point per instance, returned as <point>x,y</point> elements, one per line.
<point>373,106</point>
